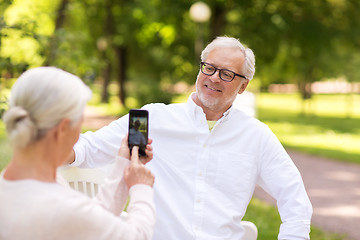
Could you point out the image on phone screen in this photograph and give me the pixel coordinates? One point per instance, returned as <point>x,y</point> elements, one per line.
<point>138,129</point>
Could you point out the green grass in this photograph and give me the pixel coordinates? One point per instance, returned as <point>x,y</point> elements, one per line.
<point>267,220</point>
<point>327,129</point>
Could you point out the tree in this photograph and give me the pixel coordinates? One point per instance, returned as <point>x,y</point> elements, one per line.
<point>59,23</point>
<point>148,45</point>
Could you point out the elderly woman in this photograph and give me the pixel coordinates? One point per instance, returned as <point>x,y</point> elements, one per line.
<point>43,123</point>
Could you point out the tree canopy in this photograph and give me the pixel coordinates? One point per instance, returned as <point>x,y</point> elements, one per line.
<point>148,45</point>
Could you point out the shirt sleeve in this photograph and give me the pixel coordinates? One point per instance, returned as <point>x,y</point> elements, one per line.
<point>282,180</point>
<point>96,149</point>
<point>81,218</point>
<point>113,193</point>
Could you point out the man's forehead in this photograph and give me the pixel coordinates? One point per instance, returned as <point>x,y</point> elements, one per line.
<point>231,58</point>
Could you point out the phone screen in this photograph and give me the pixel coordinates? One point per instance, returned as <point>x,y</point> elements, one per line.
<point>138,129</point>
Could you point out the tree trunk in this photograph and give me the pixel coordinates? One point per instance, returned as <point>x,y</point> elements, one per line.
<point>107,69</point>
<point>106,74</point>
<point>121,56</point>
<point>59,22</point>
<point>305,90</point>
<point>218,21</point>
<point>120,51</point>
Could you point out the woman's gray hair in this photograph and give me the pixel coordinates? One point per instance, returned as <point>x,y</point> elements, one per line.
<point>40,99</point>
<point>229,42</point>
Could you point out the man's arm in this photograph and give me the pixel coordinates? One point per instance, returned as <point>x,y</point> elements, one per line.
<point>282,180</point>
<point>95,149</point>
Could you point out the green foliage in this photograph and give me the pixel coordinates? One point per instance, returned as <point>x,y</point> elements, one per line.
<point>297,41</point>
<point>3,106</point>
<point>27,26</point>
<point>150,43</point>
<point>5,85</point>
<point>5,149</point>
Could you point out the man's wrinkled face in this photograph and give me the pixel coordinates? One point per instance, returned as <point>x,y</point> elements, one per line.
<point>214,93</point>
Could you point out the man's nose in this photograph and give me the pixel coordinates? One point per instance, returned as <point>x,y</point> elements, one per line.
<point>216,76</point>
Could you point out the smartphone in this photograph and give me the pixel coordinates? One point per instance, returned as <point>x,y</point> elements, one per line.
<point>138,129</point>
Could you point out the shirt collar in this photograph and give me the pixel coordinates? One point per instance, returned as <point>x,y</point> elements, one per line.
<point>197,112</point>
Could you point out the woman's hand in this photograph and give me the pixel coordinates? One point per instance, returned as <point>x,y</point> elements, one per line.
<point>124,150</point>
<point>137,173</point>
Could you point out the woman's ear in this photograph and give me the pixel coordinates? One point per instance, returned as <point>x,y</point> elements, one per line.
<point>62,129</point>
<point>243,86</point>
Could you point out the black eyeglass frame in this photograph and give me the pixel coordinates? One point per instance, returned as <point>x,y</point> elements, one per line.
<point>205,63</point>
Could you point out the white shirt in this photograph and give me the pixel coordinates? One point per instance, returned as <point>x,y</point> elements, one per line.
<point>205,179</point>
<point>38,210</point>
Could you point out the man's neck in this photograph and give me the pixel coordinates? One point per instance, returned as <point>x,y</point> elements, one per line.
<point>211,114</point>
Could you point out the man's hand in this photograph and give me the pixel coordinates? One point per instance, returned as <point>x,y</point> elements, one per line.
<point>149,153</point>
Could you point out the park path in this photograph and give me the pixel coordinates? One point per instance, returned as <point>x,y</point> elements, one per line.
<point>334,191</point>
<point>333,187</point>
<point>93,120</point>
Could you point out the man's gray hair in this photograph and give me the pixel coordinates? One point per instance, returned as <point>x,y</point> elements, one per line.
<point>230,42</point>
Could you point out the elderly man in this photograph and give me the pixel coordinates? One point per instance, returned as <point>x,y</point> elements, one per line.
<point>209,156</point>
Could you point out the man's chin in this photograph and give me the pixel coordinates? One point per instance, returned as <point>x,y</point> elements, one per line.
<point>208,101</point>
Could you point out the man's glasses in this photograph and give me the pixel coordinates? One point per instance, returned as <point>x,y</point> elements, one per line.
<point>225,75</point>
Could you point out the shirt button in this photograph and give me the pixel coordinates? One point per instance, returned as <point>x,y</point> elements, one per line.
<point>200,174</point>
<point>198,201</point>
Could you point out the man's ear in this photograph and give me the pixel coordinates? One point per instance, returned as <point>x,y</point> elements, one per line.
<point>243,86</point>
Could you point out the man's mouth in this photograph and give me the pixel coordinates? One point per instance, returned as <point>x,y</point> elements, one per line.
<point>211,88</point>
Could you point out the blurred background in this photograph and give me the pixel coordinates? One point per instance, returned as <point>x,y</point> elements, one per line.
<point>307,80</point>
